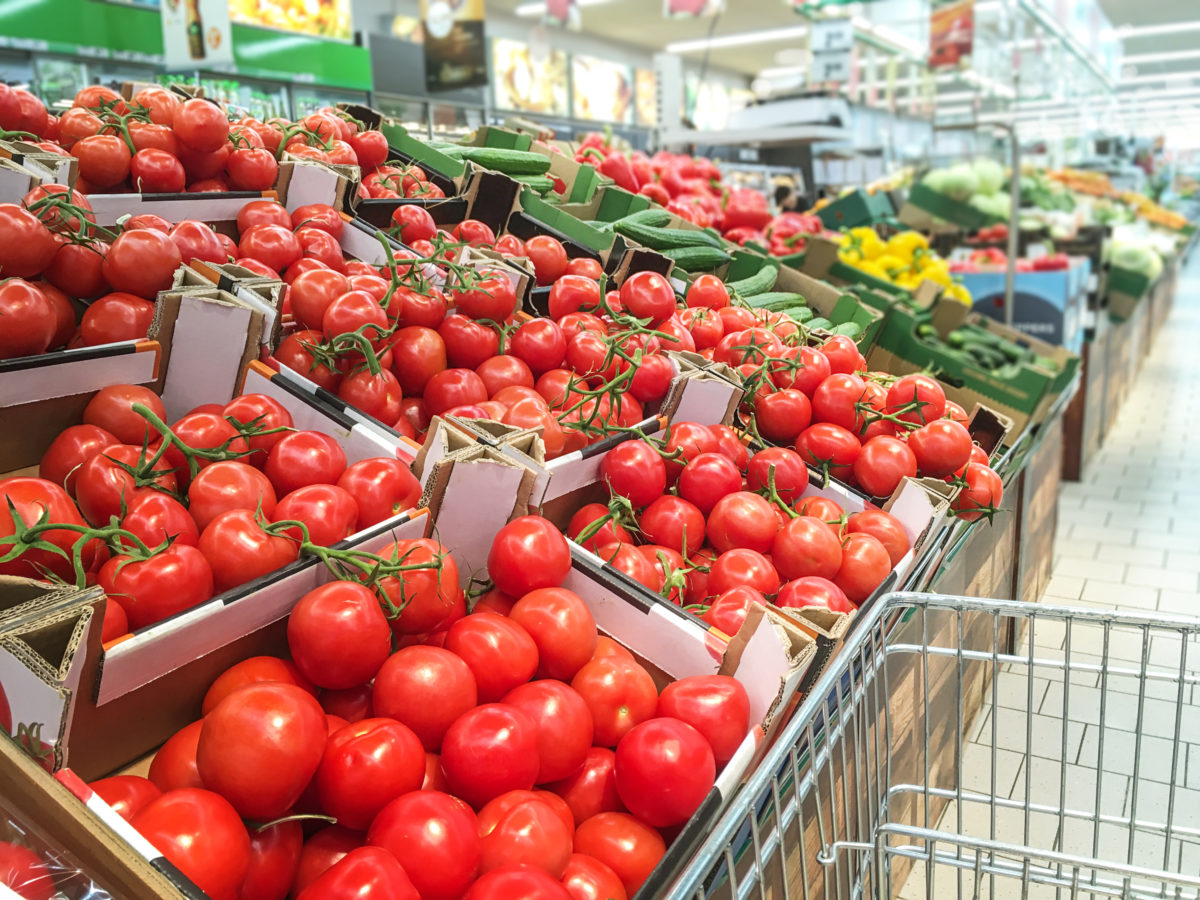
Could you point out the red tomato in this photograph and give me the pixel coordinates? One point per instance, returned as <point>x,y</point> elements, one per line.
<point>338,635</point>
<point>563,722</point>
<point>690,439</point>
<point>729,610</point>
<point>33,498</point>
<point>366,765</point>
<point>812,590</point>
<point>258,413</point>
<point>29,318</point>
<point>274,859</point>
<point>865,563</point>
<point>263,212</point>
<point>981,495</point>
<point>517,881</point>
<point>126,794</point>
<point>228,485</point>
<point>500,653</point>
<point>491,297</point>
<point>806,546</point>
<point>942,447</point>
<point>528,553</point>
<point>548,256</point>
<point>426,598</point>
<point>830,448</point>
<point>779,466</point>
<point>593,789</point>
<point>29,246</point>
<point>426,688</point>
<point>254,670</point>
<point>620,693</point>
<point>141,262</point>
<point>381,487</point>
<point>707,478</point>
<point>648,295</point>
<point>628,846</point>
<point>883,463</point>
<point>781,416</point>
<point>435,838</point>
<point>115,317</point>
<point>883,526</point>
<point>634,469</point>
<point>304,457</point>
<point>201,124</point>
<point>715,705</point>
<point>916,399</point>
<point>321,852</point>
<point>843,355</point>
<point>363,872</point>
<point>418,353</point>
<point>473,232</point>
<point>273,245</point>
<point>260,746</point>
<point>562,627</point>
<point>519,827</point>
<point>239,550</point>
<point>742,519</point>
<point>153,589</point>
<point>708,291</point>
<point>665,769</point>
<point>313,291</point>
<point>540,343</point>
<point>74,446</point>
<point>571,294</point>
<point>673,522</point>
<point>740,566</point>
<point>201,833</point>
<point>586,878</point>
<point>412,222</point>
<point>585,266</point>
<point>454,387</point>
<point>174,765</point>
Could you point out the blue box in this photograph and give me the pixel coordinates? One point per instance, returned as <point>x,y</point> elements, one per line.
<point>1046,305</point>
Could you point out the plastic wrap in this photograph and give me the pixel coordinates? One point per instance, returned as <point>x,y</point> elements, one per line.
<point>33,867</point>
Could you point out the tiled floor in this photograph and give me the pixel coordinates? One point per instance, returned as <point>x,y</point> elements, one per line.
<point>1128,539</point>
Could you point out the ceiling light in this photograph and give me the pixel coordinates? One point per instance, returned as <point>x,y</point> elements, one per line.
<point>1161,57</point>
<point>1165,76</point>
<point>1131,31</point>
<point>953,110</point>
<point>769,36</point>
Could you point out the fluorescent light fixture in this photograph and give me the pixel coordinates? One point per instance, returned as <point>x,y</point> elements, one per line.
<point>537,9</point>
<point>769,36</point>
<point>1136,31</point>
<point>1161,76</point>
<point>1160,57</point>
<point>953,110</point>
<point>888,35</point>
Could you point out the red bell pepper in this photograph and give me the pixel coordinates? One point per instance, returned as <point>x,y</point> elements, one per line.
<point>655,192</point>
<point>643,170</point>
<point>691,211</point>
<point>745,208</point>
<point>744,234</point>
<point>1053,262</point>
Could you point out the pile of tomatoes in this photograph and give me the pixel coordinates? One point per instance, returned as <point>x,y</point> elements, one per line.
<point>164,518</point>
<point>509,752</point>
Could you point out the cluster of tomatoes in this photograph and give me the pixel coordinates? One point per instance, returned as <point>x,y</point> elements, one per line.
<point>509,752</point>
<point>34,875</point>
<point>709,525</point>
<point>164,518</point>
<point>160,142</point>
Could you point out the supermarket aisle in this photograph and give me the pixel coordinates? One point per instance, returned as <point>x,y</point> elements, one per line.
<point>1128,538</point>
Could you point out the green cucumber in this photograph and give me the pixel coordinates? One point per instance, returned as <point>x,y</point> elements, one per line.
<point>508,162</point>
<point>541,184</point>
<point>656,218</point>
<point>758,283</point>
<point>820,323</point>
<point>697,259</point>
<point>851,330</point>
<point>665,238</point>
<point>775,300</point>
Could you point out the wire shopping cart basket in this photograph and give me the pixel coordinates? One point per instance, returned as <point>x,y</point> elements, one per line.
<point>959,747</point>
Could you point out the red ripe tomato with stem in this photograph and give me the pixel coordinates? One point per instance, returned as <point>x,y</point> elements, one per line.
<point>742,519</point>
<point>836,400</point>
<point>780,416</point>
<point>830,448</point>
<point>690,439</point>
<point>426,688</point>
<point>813,590</point>
<point>865,563</point>
<point>238,550</point>
<point>435,838</point>
<point>227,485</point>
<point>882,464</point>
<point>141,262</point>
<point>155,170</point>
<point>957,413</point>
<point>76,270</point>
<point>381,488</point>
<point>103,159</point>
<point>981,494</point>
<point>274,859</point>
<point>843,355</point>
<point>562,628</point>
<point>674,522</point>
<point>260,413</point>
<point>377,394</point>
<point>610,532</point>
<point>105,487</point>
<point>153,589</point>
<point>624,843</point>
<point>413,223</point>
<point>652,378</point>
<point>491,297</point>
<point>620,694</point>
<point>783,468</point>
<point>916,399</point>
<point>202,834</point>
<point>426,597</point>
<point>715,705</point>
<point>112,409</point>
<point>365,766</point>
<point>488,751</point>
<point>626,558</point>
<point>260,746</point>
<point>708,291</point>
<point>338,635</point>
<point>295,352</point>
<point>635,470</point>
<point>648,295</point>
<point>473,232</point>
<point>942,447</point>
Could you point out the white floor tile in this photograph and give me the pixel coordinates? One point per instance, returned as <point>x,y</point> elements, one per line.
<point>1162,578</point>
<point>1120,596</point>
<point>1091,568</point>
<point>1136,556</point>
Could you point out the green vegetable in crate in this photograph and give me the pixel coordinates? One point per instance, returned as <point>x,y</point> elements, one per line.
<point>1138,258</point>
<point>666,238</point>
<point>509,162</point>
<point>541,184</point>
<point>851,330</point>
<point>775,300</point>
<point>758,283</point>
<point>697,259</point>
<point>655,218</point>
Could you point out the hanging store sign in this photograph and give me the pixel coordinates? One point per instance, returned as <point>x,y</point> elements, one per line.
<point>196,34</point>
<point>455,50</point>
<point>951,32</point>
<point>832,45</point>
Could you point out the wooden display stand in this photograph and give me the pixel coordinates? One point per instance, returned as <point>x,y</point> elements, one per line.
<point>1036,506</point>
<point>1083,421</point>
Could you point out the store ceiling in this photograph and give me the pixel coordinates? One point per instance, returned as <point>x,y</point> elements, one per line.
<point>640,23</point>
<point>1148,50</point>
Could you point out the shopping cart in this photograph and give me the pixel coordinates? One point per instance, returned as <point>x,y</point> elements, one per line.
<point>960,747</point>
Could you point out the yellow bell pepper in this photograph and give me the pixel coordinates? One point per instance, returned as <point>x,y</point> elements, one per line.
<point>871,267</point>
<point>906,243</point>
<point>939,274</point>
<point>865,241</point>
<point>891,264</point>
<point>957,291</point>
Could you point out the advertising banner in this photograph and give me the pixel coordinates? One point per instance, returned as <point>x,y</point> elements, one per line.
<point>682,8</point>
<point>562,14</point>
<point>320,18</point>
<point>455,50</point>
<point>196,34</point>
<point>951,32</point>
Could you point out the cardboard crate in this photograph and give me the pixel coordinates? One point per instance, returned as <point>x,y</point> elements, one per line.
<point>1020,398</point>
<point>820,260</point>
<point>580,180</point>
<point>859,207</point>
<point>925,204</point>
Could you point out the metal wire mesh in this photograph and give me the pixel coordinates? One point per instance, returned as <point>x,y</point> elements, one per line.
<point>960,747</point>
